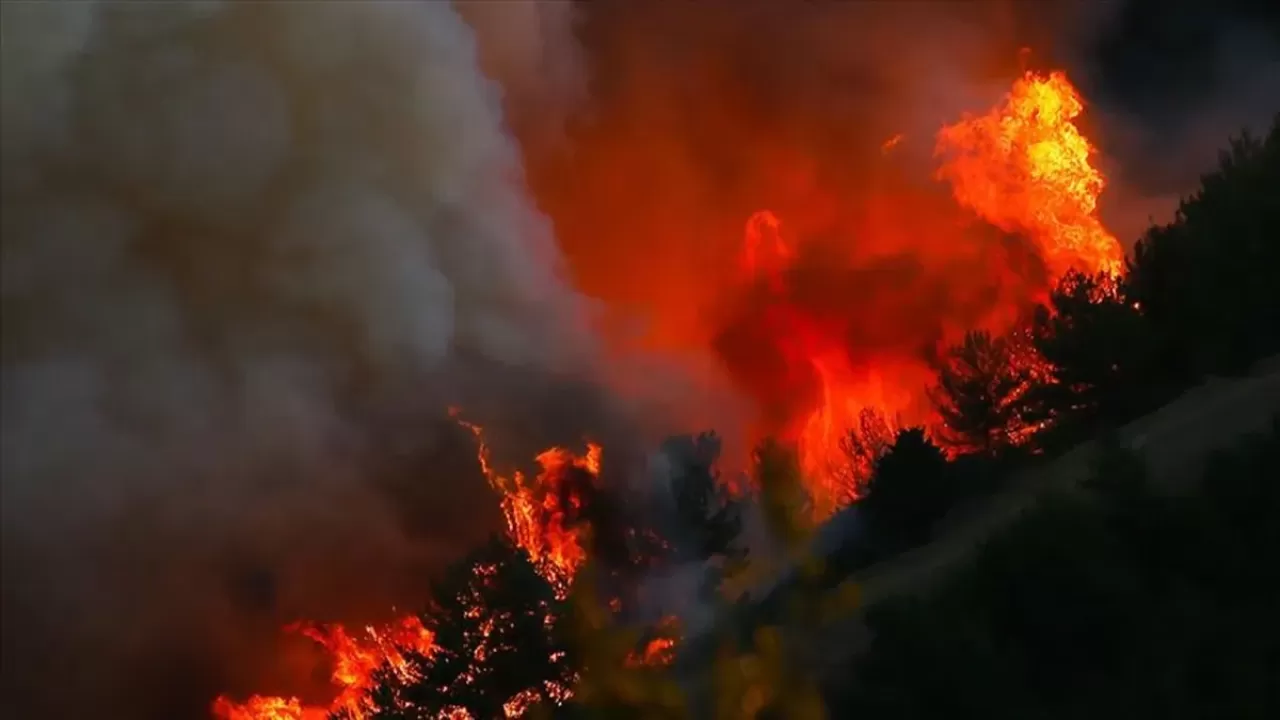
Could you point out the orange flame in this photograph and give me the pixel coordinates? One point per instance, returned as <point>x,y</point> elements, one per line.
<point>660,649</point>
<point>858,404</point>
<point>1024,166</point>
<point>542,513</point>
<point>355,661</point>
<point>259,707</point>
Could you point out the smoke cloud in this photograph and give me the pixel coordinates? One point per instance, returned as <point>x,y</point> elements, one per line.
<point>251,253</point>
<point>1169,83</point>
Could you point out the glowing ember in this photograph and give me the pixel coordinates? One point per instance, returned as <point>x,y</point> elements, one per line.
<point>1024,167</point>
<point>355,659</point>
<point>658,651</point>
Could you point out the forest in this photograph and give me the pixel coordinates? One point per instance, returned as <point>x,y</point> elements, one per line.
<point>1119,601</point>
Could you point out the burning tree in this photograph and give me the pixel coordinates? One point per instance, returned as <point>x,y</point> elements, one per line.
<point>499,646</point>
<point>358,660</point>
<point>982,393</point>
<point>863,447</point>
<point>1023,167</point>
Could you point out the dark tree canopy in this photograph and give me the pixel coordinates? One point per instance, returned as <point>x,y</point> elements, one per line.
<point>863,446</point>
<point>706,519</point>
<point>1097,344</point>
<point>909,491</point>
<point>706,515</point>
<point>1123,602</point>
<point>495,621</point>
<point>981,385</point>
<point>785,503</point>
<point>1206,282</point>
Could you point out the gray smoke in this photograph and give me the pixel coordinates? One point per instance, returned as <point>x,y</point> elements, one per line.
<point>251,252</point>
<point>1168,84</point>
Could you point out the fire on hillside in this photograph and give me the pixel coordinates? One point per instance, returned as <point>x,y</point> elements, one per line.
<point>807,338</point>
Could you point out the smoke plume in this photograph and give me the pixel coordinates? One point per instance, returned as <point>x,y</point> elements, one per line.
<point>251,253</point>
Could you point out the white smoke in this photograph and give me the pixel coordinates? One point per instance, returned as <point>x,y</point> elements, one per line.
<point>235,236</point>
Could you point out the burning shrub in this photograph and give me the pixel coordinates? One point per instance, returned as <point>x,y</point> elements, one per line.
<point>499,647</point>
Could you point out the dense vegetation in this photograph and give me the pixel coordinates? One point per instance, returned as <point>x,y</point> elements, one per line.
<point>1119,602</point>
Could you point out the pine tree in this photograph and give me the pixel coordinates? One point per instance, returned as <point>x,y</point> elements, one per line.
<point>981,394</point>
<point>498,638</point>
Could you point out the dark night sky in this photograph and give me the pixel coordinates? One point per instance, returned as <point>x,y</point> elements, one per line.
<point>1162,57</point>
<point>1189,72</point>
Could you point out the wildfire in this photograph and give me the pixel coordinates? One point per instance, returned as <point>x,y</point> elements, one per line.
<point>542,513</point>
<point>542,517</point>
<point>261,707</point>
<point>354,659</point>
<point>659,649</point>
<point>855,404</point>
<point>1024,167</point>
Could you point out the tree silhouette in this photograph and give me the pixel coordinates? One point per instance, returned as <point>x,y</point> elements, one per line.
<point>1206,281</point>
<point>863,446</point>
<point>497,635</point>
<point>1119,601</point>
<point>784,501</point>
<point>1097,346</point>
<point>909,491</point>
<point>707,518</point>
<point>982,385</point>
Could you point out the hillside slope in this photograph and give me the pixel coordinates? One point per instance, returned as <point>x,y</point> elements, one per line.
<point>1174,441</point>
